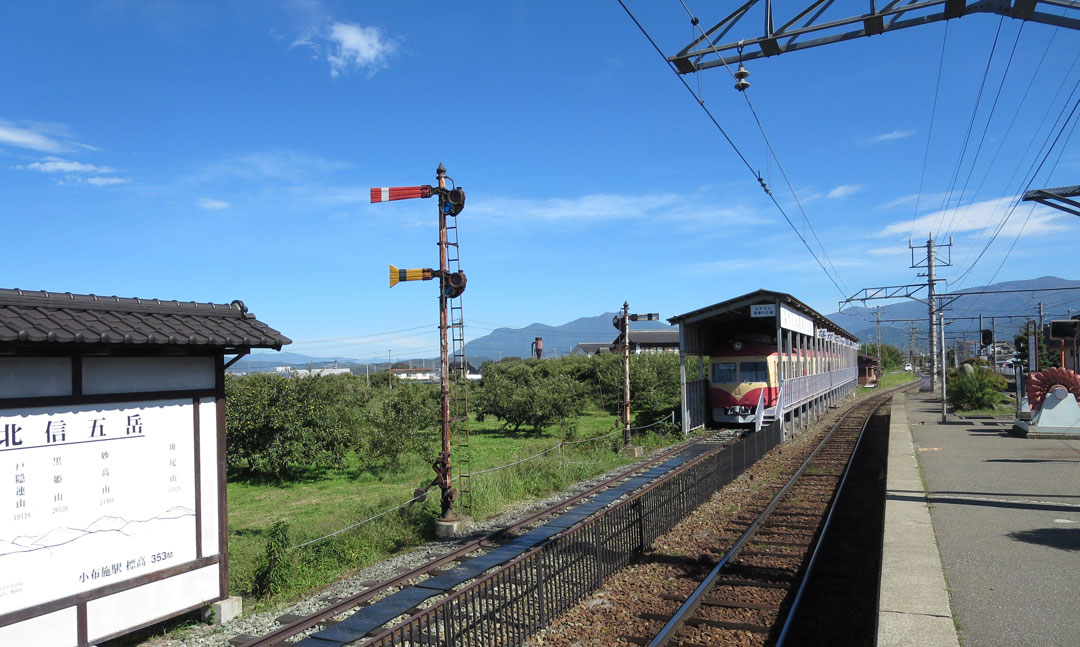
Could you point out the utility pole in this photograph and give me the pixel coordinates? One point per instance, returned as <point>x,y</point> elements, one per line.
<point>944,404</point>
<point>932,262</point>
<point>911,345</point>
<point>1042,315</point>
<point>881,367</point>
<point>389,371</point>
<point>622,324</point>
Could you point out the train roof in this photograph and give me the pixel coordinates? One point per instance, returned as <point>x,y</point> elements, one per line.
<point>704,327</point>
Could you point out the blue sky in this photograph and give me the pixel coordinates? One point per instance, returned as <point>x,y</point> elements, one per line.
<point>216,151</point>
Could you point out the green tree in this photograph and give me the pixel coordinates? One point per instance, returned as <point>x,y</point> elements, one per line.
<point>396,423</point>
<point>891,357</point>
<point>280,426</point>
<point>530,392</point>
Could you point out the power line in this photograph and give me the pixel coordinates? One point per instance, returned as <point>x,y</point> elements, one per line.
<point>967,136</point>
<point>930,130</point>
<point>768,144</point>
<point>731,143</point>
<point>986,127</point>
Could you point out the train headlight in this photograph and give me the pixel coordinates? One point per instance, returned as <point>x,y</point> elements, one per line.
<point>737,345</point>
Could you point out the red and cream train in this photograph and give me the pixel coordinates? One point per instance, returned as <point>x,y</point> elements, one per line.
<point>748,370</point>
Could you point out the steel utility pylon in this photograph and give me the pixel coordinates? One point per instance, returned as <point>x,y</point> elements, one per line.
<point>451,285</point>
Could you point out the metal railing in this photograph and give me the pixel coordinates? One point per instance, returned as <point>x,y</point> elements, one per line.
<point>798,390</point>
<point>507,605</point>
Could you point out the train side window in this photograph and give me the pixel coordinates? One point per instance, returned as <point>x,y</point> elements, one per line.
<point>754,371</point>
<point>723,372</point>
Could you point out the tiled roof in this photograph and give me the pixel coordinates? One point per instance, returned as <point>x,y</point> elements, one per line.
<point>63,318</point>
<point>668,337</point>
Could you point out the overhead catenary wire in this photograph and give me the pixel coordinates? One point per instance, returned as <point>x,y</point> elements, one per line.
<point>947,198</point>
<point>930,129</point>
<point>735,148</point>
<point>986,127</point>
<point>768,145</point>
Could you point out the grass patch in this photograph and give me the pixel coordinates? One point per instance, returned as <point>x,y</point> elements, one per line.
<point>333,499</point>
<point>1004,407</point>
<point>891,379</point>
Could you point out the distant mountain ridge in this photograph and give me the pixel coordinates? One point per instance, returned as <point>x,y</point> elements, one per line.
<point>1011,309</point>
<point>558,340</point>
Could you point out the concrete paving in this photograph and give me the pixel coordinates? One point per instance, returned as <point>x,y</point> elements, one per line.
<point>1005,513</point>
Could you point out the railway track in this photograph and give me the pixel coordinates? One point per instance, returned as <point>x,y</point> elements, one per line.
<point>506,601</point>
<point>750,595</point>
<point>291,626</point>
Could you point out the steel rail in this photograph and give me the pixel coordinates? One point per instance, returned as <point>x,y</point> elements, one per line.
<point>307,622</point>
<point>824,531</point>
<point>687,610</point>
<point>484,582</point>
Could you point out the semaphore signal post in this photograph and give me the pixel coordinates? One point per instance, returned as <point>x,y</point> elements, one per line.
<point>451,284</point>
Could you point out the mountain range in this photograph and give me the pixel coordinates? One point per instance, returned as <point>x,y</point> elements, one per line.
<point>1010,308</point>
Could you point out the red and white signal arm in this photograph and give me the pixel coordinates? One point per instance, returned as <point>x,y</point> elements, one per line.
<point>390,193</point>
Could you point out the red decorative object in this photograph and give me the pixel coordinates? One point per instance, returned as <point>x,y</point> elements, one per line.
<point>1039,384</point>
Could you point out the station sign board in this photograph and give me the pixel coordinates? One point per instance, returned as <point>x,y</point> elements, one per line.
<point>763,310</point>
<point>796,321</point>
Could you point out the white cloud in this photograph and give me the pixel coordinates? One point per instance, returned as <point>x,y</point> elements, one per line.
<point>347,47</point>
<point>44,137</point>
<point>923,200</point>
<point>888,137</point>
<point>212,205</point>
<point>887,251</point>
<point>353,46</point>
<point>107,181</point>
<point>984,217</point>
<point>844,190</point>
<point>25,138</point>
<point>58,165</point>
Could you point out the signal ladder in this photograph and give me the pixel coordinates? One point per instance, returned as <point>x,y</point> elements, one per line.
<point>459,387</point>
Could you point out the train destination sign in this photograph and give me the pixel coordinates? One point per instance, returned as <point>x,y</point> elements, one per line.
<point>102,494</point>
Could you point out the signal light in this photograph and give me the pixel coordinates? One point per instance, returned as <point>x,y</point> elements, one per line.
<point>454,284</point>
<point>452,202</point>
<point>1064,329</point>
<point>399,275</point>
<point>987,337</point>
<point>651,316</point>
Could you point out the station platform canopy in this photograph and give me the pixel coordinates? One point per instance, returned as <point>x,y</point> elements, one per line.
<point>761,312</point>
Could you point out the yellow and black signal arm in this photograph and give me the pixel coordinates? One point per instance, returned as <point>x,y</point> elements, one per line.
<point>396,275</point>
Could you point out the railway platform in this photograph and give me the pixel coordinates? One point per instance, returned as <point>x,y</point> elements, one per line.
<point>982,531</point>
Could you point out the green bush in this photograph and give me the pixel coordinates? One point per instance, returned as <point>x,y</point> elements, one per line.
<point>977,388</point>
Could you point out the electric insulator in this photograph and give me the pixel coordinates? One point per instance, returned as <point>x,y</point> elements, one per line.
<point>740,78</point>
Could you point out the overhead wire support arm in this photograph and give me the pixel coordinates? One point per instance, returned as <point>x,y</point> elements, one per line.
<point>802,30</point>
<point>1059,198</point>
<point>886,292</point>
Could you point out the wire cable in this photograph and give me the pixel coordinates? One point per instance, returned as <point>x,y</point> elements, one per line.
<point>731,143</point>
<point>967,136</point>
<point>768,143</point>
<point>930,130</point>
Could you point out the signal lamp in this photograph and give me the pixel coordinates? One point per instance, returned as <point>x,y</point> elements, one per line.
<point>452,202</point>
<point>454,284</point>
<point>987,337</point>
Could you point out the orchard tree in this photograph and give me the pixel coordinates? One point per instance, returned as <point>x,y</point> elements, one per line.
<point>537,393</point>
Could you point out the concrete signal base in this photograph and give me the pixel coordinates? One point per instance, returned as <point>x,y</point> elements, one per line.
<point>223,611</point>
<point>633,451</point>
<point>448,529</point>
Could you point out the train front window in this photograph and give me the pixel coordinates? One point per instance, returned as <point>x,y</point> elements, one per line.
<point>754,372</point>
<point>723,372</point>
